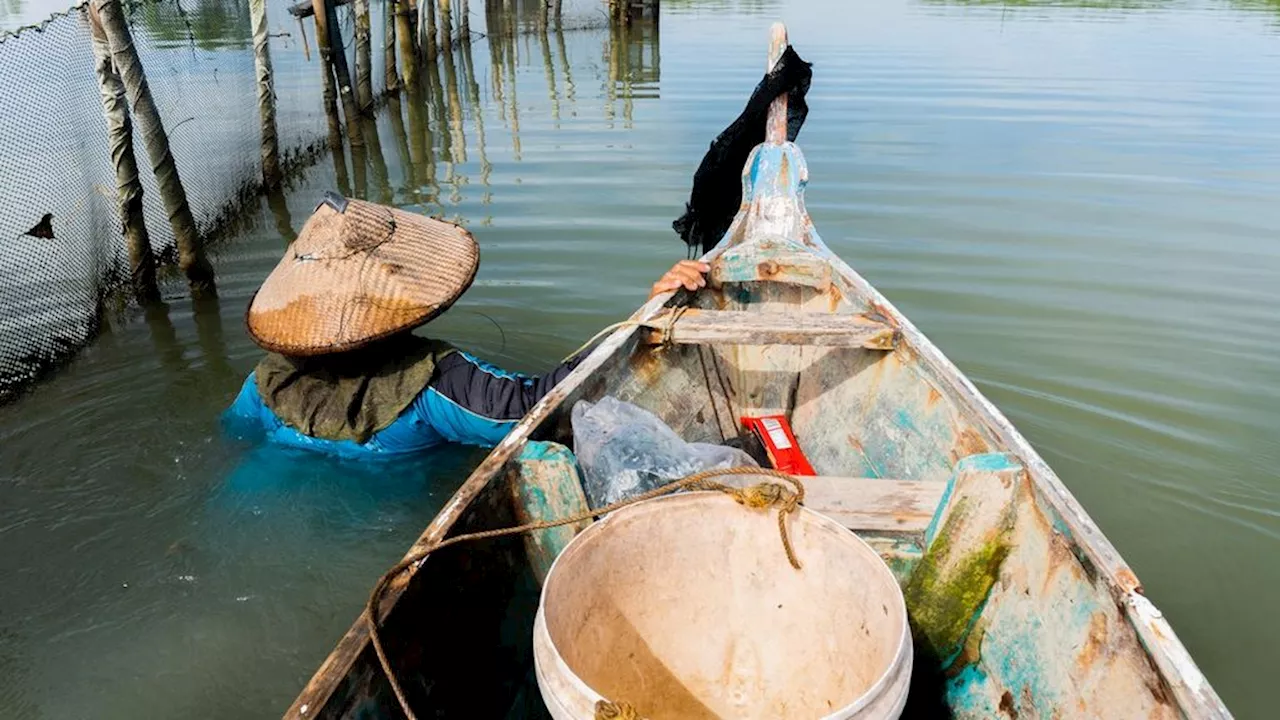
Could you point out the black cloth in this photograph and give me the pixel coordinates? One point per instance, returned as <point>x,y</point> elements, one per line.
<point>717,184</point>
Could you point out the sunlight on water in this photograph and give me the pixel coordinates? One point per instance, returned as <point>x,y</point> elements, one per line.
<point>1074,200</point>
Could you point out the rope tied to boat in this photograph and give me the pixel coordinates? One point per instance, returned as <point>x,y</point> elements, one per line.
<point>607,710</point>
<point>760,496</point>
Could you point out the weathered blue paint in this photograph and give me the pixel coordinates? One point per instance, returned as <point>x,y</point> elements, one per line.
<point>545,485</point>
<point>989,462</point>
<point>932,531</point>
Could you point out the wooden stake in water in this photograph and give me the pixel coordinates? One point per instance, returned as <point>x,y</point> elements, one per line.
<point>271,174</point>
<point>142,262</point>
<point>124,56</point>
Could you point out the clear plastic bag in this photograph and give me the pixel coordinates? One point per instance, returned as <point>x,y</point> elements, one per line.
<point>625,450</point>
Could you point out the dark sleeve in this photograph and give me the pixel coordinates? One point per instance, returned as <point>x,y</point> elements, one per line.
<point>490,392</point>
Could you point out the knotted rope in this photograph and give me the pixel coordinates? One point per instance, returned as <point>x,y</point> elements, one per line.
<point>759,496</point>
<point>606,710</point>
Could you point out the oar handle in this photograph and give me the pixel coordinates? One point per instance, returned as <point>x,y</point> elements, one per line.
<point>776,130</point>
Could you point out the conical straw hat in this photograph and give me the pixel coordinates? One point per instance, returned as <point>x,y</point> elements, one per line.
<point>359,272</point>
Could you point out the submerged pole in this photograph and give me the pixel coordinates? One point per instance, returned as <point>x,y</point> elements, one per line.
<point>271,175</point>
<point>124,56</point>
<point>115,108</point>
<point>364,56</point>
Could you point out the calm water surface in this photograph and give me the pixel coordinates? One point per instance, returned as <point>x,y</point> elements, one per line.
<point>1076,203</point>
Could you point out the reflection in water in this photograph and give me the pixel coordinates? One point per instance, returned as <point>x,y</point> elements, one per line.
<point>207,24</point>
<point>633,65</point>
<point>443,90</point>
<point>279,207</point>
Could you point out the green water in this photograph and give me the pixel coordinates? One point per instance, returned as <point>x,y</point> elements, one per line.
<point>1076,202</point>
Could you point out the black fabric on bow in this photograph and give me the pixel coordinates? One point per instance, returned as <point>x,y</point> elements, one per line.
<point>717,184</point>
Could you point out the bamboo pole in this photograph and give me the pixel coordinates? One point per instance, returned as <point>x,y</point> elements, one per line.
<point>142,261</point>
<point>329,98</point>
<point>271,175</point>
<point>338,59</point>
<point>364,56</point>
<point>457,141</point>
<point>464,22</point>
<point>124,56</point>
<point>392,79</point>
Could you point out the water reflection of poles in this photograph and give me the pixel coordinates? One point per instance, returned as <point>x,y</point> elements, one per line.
<point>208,317</point>
<point>164,338</point>
<point>429,28</point>
<point>457,142</point>
<point>564,57</point>
<point>408,54</point>
<point>509,42</point>
<point>550,69</point>
<point>493,26</point>
<point>392,78</point>
<point>477,114</point>
<point>280,210</point>
<point>364,56</point>
<point>395,112</point>
<point>377,162</point>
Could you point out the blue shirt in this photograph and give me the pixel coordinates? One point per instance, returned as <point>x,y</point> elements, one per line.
<point>467,401</point>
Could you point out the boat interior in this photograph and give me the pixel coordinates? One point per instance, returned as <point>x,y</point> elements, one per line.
<point>1018,605</point>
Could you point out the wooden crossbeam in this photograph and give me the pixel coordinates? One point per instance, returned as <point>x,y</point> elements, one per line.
<point>867,504</point>
<point>875,503</point>
<point>737,327</point>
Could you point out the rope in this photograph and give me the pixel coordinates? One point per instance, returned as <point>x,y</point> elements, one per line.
<point>759,496</point>
<point>665,339</point>
<point>606,710</point>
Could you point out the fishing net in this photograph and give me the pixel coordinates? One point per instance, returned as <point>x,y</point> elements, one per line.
<point>198,58</point>
<point>59,281</point>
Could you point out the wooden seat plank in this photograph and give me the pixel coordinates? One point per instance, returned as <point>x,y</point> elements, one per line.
<point>737,327</point>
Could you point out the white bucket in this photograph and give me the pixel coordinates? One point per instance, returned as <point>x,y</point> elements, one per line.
<point>686,607</point>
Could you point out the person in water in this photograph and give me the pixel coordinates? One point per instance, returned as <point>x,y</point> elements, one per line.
<point>345,374</point>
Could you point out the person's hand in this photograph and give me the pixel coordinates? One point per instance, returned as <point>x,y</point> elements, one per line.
<point>686,273</point>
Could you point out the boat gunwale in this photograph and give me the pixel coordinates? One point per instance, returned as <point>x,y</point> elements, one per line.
<point>1195,696</point>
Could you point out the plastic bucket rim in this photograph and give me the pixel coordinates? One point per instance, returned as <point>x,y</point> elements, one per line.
<point>871,693</point>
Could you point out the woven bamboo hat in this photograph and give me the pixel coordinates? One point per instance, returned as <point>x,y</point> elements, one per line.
<point>359,272</point>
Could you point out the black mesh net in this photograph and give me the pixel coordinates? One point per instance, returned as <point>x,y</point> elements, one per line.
<point>198,58</point>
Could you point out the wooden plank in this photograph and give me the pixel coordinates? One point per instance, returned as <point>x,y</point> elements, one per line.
<point>874,503</point>
<point>739,327</point>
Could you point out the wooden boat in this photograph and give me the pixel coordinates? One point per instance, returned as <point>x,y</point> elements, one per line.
<point>1019,606</point>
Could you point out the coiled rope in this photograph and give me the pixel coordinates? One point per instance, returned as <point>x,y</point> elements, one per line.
<point>759,496</point>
